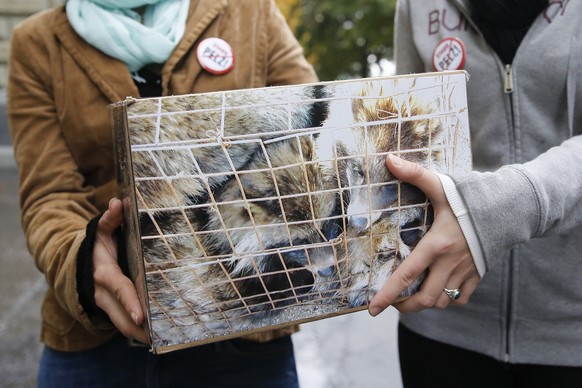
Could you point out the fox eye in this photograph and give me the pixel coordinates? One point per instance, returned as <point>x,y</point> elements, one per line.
<point>331,229</point>
<point>411,237</point>
<point>298,256</point>
<point>384,257</point>
<point>358,175</point>
<point>411,232</point>
<point>389,193</point>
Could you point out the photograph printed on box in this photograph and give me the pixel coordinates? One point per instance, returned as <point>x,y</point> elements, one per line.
<point>259,208</point>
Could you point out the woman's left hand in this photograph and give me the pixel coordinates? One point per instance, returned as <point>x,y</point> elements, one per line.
<point>443,250</point>
<point>114,292</point>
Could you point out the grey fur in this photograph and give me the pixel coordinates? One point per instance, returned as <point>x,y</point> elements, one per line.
<point>214,273</point>
<point>234,231</point>
<point>238,278</point>
<point>197,144</point>
<point>379,209</point>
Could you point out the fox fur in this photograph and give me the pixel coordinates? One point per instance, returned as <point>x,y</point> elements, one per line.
<point>272,227</point>
<point>373,257</point>
<point>380,124</point>
<point>240,229</point>
<point>185,146</point>
<point>379,209</point>
<point>252,241</point>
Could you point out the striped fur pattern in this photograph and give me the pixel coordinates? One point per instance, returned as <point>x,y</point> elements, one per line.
<point>240,230</point>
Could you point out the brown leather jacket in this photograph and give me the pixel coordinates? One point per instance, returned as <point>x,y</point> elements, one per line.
<point>58,96</point>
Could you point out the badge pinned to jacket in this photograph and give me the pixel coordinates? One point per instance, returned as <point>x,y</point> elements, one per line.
<point>449,54</point>
<point>215,56</point>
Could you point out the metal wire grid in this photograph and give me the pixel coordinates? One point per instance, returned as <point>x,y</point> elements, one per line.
<point>189,265</point>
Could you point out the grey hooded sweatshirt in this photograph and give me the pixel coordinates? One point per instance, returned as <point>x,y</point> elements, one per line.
<point>525,195</point>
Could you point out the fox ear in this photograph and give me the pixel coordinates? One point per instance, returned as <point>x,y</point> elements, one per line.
<point>319,110</point>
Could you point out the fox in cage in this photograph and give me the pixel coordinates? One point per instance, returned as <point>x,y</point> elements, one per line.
<point>190,155</point>
<point>385,218</point>
<point>254,240</point>
<point>308,214</point>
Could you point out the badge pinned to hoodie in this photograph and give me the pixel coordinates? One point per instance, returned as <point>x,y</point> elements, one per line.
<point>449,54</point>
<point>215,56</point>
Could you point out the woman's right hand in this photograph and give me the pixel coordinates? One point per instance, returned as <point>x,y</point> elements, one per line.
<point>114,292</point>
<point>443,251</point>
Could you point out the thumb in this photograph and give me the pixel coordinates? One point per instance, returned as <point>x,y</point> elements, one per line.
<point>112,218</point>
<point>415,174</point>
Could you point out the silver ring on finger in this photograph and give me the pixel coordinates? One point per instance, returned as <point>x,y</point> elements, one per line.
<point>453,294</point>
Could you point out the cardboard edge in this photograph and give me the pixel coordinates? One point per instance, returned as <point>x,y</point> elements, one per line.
<point>167,349</point>
<point>128,197</point>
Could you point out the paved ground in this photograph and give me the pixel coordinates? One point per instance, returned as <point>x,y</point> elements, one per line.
<point>21,289</point>
<point>353,350</point>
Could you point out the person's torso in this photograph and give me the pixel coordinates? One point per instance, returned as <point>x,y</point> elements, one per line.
<point>526,310</point>
<point>83,82</point>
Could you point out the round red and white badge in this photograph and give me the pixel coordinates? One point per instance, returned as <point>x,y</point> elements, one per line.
<point>215,56</point>
<point>449,54</point>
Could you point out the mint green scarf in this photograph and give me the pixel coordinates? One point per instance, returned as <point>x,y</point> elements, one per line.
<point>112,27</point>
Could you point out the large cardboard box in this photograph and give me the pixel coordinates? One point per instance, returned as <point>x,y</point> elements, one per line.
<point>254,209</point>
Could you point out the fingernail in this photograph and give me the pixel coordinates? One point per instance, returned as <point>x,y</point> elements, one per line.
<point>395,160</point>
<point>134,318</point>
<point>373,311</point>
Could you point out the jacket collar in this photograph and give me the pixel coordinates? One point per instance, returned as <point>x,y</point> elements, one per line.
<point>109,74</point>
<point>202,13</point>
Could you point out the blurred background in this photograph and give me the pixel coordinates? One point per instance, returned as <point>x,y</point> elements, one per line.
<point>343,39</point>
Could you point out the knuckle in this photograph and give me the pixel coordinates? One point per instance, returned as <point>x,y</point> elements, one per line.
<point>99,275</point>
<point>99,297</point>
<point>463,300</point>
<point>104,223</point>
<point>441,304</point>
<point>106,274</point>
<point>469,269</point>
<point>426,300</point>
<point>407,277</point>
<point>416,171</point>
<point>118,292</point>
<point>443,246</point>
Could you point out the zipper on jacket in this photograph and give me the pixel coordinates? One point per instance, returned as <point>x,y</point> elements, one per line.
<point>508,80</point>
<point>508,89</point>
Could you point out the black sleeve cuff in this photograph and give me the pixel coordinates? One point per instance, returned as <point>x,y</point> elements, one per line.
<point>85,282</point>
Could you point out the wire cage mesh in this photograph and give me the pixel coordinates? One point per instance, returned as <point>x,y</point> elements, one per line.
<point>252,209</point>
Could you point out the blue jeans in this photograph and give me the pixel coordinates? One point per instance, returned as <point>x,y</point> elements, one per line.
<point>232,363</point>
